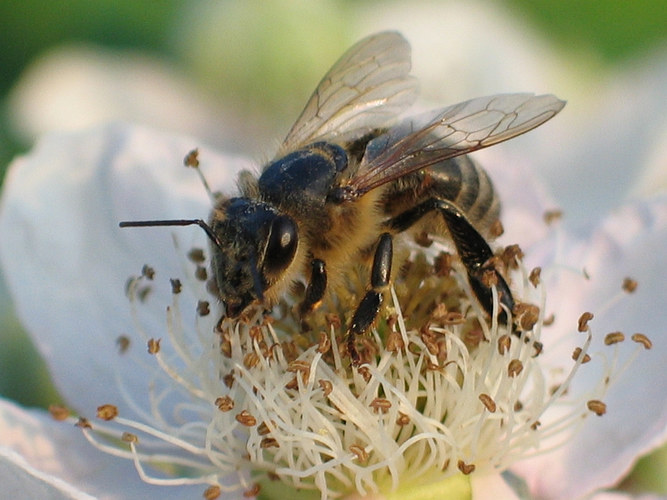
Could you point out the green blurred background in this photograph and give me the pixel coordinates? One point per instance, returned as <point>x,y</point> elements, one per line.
<point>259,81</point>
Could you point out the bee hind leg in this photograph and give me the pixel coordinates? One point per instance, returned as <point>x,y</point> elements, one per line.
<point>368,308</point>
<point>472,248</point>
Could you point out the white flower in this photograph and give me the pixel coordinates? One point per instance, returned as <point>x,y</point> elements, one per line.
<point>67,261</point>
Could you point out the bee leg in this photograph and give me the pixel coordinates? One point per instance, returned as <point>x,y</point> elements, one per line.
<point>472,248</point>
<point>476,255</point>
<point>315,289</point>
<point>368,308</point>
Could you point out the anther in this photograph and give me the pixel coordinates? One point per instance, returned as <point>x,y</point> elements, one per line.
<point>245,418</point>
<point>583,321</point>
<point>538,347</point>
<point>196,255</point>
<point>250,360</point>
<point>551,216</point>
<point>203,308</point>
<point>629,285</point>
<point>192,159</point>
<point>443,264</point>
<point>504,343</point>
<point>228,380</point>
<point>614,338</point>
<point>465,468</point>
<point>576,354</point>
<point>128,437</point>
<point>299,366</point>
<point>496,229</point>
<point>253,491</point>
<point>212,492</point>
<point>402,419</point>
<point>510,255</point>
<point>324,343</point>
<point>148,272</point>
<point>326,386</point>
<point>514,368</point>
<point>381,405</point>
<point>488,402</point>
<point>201,274</point>
<point>642,339</point>
<point>490,278</point>
<point>525,315</point>
<point>269,442</point>
<point>597,407</point>
<point>154,346</point>
<point>83,423</point>
<point>58,412</point>
<point>176,286</point>
<point>360,452</point>
<point>224,403</point>
<point>394,342</point>
<point>534,277</point>
<point>107,412</point>
<point>123,343</point>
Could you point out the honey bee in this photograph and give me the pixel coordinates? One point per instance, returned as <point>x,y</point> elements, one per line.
<point>349,178</point>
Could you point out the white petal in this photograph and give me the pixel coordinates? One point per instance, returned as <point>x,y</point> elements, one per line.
<point>603,146</point>
<point>43,453</point>
<point>631,243</point>
<point>77,87</point>
<point>66,260</point>
<point>19,480</point>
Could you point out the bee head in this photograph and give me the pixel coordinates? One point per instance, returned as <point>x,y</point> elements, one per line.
<point>253,247</point>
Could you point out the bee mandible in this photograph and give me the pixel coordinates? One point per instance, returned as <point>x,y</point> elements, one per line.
<point>348,179</point>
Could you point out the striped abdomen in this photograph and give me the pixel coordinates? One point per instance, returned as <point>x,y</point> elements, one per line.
<point>459,180</point>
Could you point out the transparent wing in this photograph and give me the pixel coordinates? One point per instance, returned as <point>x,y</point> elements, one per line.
<point>427,139</point>
<point>367,87</point>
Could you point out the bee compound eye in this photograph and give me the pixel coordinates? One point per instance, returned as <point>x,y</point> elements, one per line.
<point>282,244</point>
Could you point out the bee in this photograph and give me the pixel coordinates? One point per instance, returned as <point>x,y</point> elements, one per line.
<point>350,178</point>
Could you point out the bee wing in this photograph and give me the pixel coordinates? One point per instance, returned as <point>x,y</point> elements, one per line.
<point>425,140</point>
<point>368,86</point>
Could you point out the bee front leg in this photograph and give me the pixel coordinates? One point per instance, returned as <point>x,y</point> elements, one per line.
<point>315,289</point>
<point>471,247</point>
<point>368,308</point>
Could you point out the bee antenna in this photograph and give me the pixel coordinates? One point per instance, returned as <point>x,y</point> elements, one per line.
<point>174,222</point>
